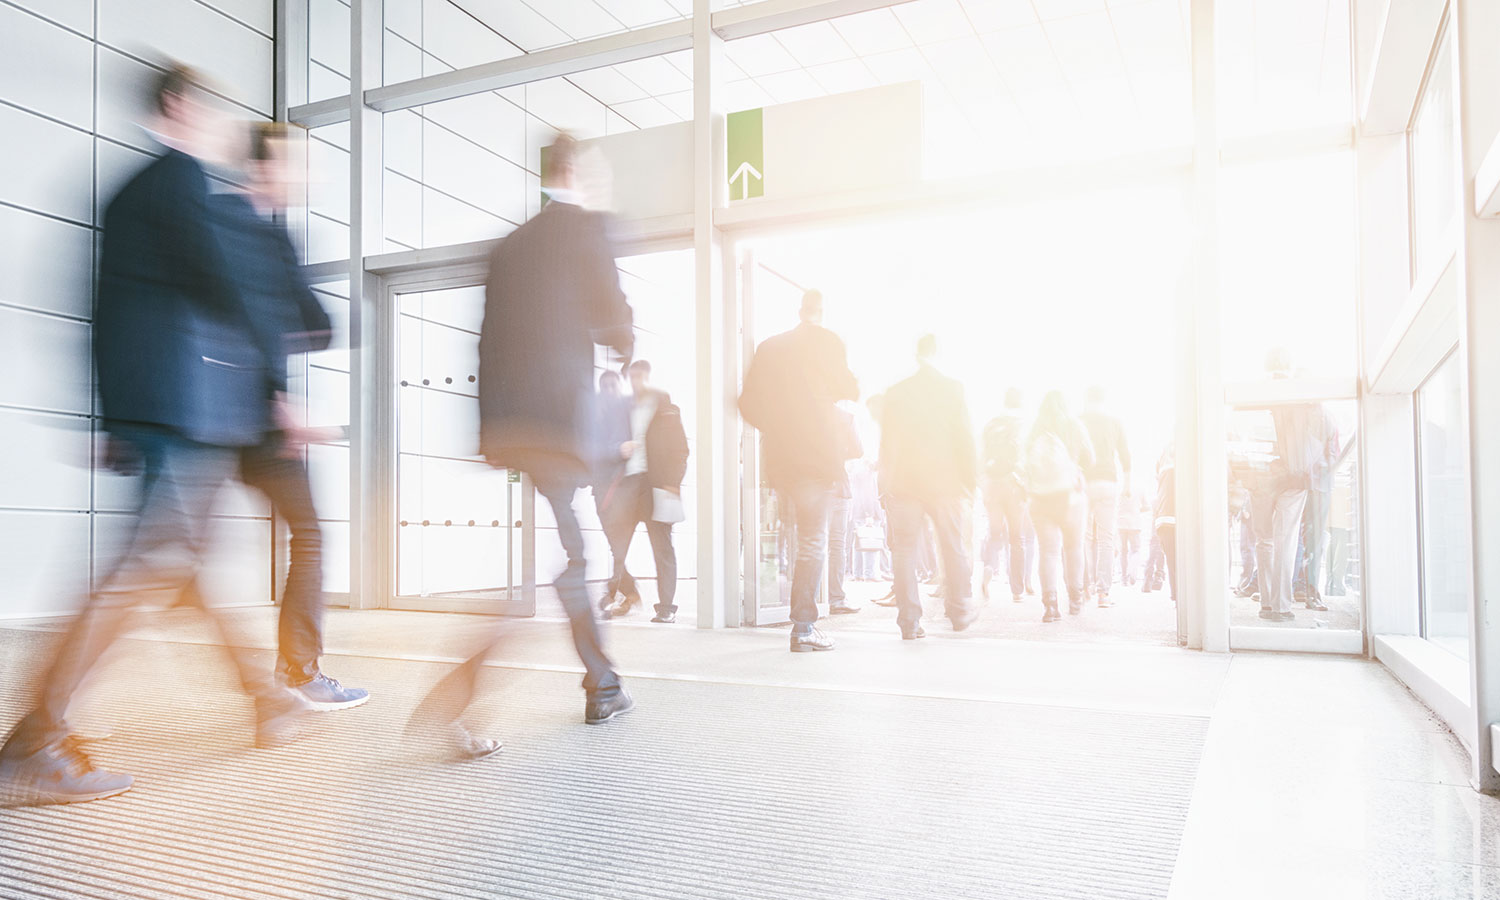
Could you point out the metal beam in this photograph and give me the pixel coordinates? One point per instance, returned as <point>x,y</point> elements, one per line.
<point>774,15</point>
<point>325,112</point>
<point>609,50</point>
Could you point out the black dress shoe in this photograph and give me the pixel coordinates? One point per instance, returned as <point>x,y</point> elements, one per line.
<point>810,642</point>
<point>843,609</point>
<point>597,711</point>
<point>913,634</point>
<point>664,618</point>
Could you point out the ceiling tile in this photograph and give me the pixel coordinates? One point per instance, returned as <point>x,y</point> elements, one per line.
<point>516,22</point>
<point>876,31</point>
<point>814,44</point>
<point>681,104</point>
<point>899,66</point>
<point>759,55</point>
<point>581,19</point>
<point>965,68</point>
<point>992,15</point>
<point>1025,58</point>
<point>646,113</point>
<point>789,87</point>
<point>608,86</point>
<point>655,75</point>
<point>844,76</point>
<point>928,21</point>
<point>1086,47</point>
<point>635,13</point>
<point>561,105</point>
<point>1058,9</point>
<point>745,94</point>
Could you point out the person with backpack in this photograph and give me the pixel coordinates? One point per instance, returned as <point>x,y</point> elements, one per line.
<point>1005,498</point>
<point>1058,451</point>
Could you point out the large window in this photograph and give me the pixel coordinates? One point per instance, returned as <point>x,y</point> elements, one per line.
<point>1444,508</point>
<point>1434,162</point>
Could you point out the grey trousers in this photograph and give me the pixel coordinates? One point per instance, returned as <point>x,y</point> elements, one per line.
<point>1276,553</point>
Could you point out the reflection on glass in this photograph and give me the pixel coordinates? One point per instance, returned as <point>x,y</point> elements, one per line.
<point>1294,510</point>
<point>1444,508</point>
<point>1434,162</point>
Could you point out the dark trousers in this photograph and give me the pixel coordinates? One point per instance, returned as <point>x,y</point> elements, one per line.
<point>630,504</point>
<point>809,501</point>
<point>283,479</point>
<point>180,481</point>
<point>908,521</point>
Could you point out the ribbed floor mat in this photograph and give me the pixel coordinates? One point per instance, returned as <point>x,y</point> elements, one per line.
<point>705,791</point>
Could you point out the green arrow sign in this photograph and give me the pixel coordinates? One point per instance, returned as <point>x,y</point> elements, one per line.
<point>747,155</point>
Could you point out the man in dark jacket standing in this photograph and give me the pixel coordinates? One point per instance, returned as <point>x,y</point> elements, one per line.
<point>181,384</point>
<point>553,292</point>
<point>792,387</point>
<point>928,469</point>
<point>649,491</point>
<point>286,318</point>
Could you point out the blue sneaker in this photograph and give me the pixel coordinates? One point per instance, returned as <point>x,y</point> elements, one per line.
<point>325,694</point>
<point>57,773</point>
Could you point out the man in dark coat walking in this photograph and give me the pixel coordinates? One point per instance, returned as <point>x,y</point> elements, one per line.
<point>553,293</point>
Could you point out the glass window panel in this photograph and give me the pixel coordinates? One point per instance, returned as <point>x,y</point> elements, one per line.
<point>1283,65</point>
<point>1294,508</point>
<point>327,49</point>
<point>1443,485</point>
<point>1434,163</point>
<point>327,213</point>
<point>1287,266</point>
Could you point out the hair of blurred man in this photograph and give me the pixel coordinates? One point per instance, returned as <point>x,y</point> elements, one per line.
<point>1053,412</point>
<point>558,161</point>
<point>273,153</point>
<point>1012,398</point>
<point>640,374</point>
<point>927,348</point>
<point>812,307</point>
<point>187,117</point>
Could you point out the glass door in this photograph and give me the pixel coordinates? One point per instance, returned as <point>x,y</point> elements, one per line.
<point>464,535</point>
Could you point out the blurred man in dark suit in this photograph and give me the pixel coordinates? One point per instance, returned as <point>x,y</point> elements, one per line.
<point>791,390</point>
<point>553,293</point>
<point>182,389</point>
<point>286,318</point>
<point>928,469</point>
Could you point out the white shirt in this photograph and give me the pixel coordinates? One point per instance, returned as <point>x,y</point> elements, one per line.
<point>641,415</point>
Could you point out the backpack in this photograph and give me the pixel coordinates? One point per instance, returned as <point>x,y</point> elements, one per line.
<point>1050,467</point>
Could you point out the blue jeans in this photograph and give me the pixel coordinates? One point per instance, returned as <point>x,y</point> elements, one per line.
<point>908,521</point>
<point>809,502</point>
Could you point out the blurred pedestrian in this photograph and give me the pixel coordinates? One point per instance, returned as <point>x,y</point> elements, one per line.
<point>791,390</point>
<point>1057,453</point>
<point>182,389</point>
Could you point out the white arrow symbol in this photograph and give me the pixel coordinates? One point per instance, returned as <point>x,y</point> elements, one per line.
<point>745,171</point>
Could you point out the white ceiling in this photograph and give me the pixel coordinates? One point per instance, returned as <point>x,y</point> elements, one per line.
<point>1028,78</point>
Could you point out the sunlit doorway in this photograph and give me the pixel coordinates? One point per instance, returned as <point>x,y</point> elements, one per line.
<point>1065,293</point>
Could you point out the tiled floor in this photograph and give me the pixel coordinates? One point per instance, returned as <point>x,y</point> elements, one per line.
<point>1320,777</point>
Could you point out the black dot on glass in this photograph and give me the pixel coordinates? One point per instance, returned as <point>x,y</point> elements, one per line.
<point>471,523</point>
<point>426,382</point>
<point>495,524</point>
<point>425,523</point>
<point>447,381</point>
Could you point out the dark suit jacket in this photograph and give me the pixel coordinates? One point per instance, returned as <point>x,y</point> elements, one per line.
<point>791,387</point>
<point>666,446</point>
<point>172,345</point>
<point>553,292</point>
<point>926,439</point>
<point>283,312</point>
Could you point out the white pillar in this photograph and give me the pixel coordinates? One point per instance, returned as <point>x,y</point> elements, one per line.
<point>717,343</point>
<point>371,332</point>
<point>1477,24</point>
<point>1202,486</point>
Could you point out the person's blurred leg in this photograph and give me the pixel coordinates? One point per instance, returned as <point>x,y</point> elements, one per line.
<point>1104,516</point>
<point>1048,514</point>
<point>811,500</point>
<point>1072,553</point>
<point>948,526</point>
<point>906,523</point>
<point>1286,520</point>
<point>838,554</point>
<point>1168,537</point>
<point>599,681</point>
<point>665,555</point>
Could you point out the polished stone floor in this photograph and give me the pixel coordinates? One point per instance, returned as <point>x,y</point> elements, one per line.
<point>1316,777</point>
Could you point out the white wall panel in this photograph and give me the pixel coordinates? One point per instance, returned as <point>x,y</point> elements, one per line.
<point>44,362</point>
<point>327,240</point>
<point>44,461</point>
<point>328,468</point>
<point>464,170</point>
<point>336,557</point>
<point>403,143</point>
<point>328,194</point>
<point>486,119</point>
<point>237,563</point>
<point>55,160</point>
<point>46,69</point>
<point>328,34</point>
<point>124,98</point>
<point>258,14</point>
<point>114,492</point>
<point>405,18</point>
<point>75,14</point>
<point>403,209</point>
<point>403,59</point>
<point>238,59</point>
<point>45,558</point>
<point>48,264</point>
<point>447,221</point>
